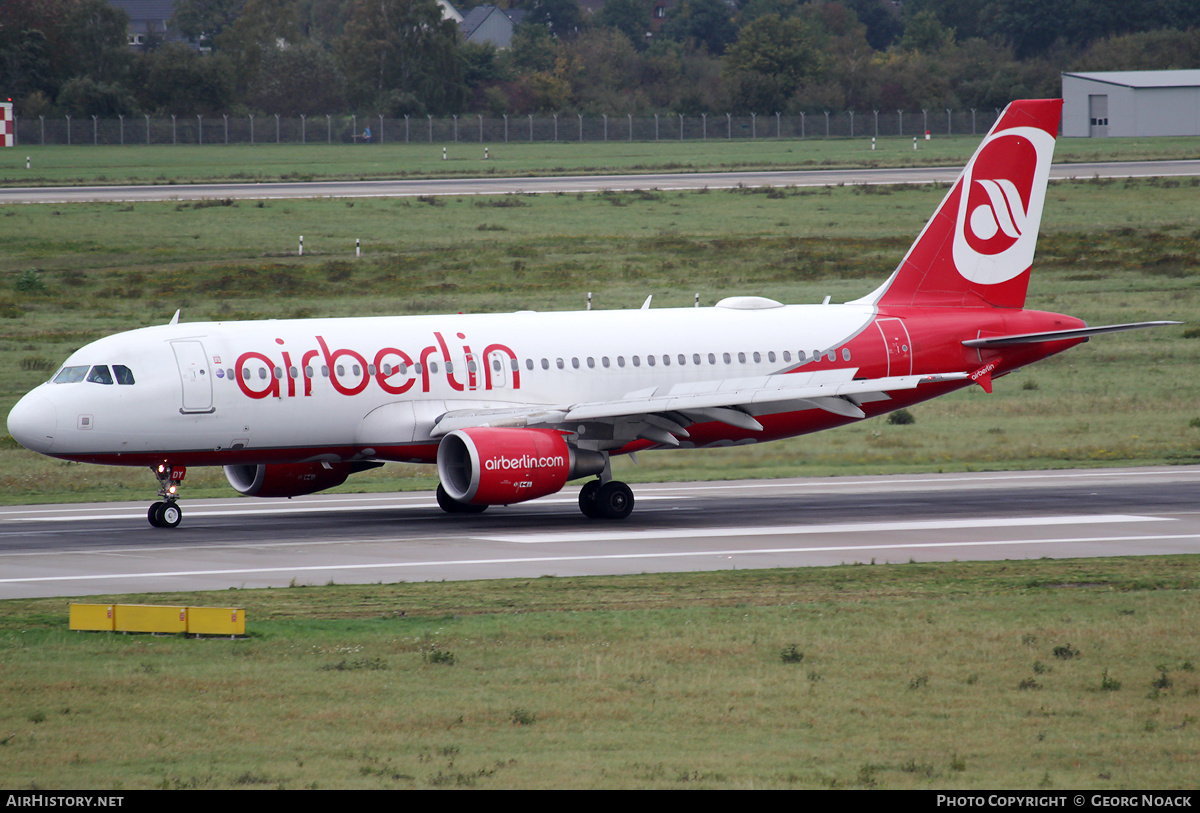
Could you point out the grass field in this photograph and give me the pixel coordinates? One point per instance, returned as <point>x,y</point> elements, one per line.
<point>1009,675</point>
<point>71,165</point>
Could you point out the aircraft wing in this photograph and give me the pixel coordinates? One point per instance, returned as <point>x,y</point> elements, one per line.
<point>660,414</point>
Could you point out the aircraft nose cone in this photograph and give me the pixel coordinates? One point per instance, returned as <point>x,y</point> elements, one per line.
<point>33,422</point>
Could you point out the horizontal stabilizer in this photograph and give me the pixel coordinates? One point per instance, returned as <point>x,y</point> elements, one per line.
<point>1059,335</point>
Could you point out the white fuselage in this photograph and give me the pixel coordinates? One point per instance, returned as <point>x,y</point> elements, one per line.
<point>294,389</point>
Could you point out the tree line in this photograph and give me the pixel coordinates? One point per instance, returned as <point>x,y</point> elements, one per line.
<point>399,57</point>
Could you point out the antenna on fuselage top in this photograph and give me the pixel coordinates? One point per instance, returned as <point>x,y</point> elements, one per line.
<point>646,304</point>
<point>174,319</point>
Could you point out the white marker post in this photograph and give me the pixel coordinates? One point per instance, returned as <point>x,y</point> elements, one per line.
<point>357,248</point>
<point>302,245</point>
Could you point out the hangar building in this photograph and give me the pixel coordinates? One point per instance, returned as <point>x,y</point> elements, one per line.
<point>1131,103</point>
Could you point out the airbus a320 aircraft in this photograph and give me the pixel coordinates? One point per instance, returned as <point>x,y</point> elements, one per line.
<point>512,406</point>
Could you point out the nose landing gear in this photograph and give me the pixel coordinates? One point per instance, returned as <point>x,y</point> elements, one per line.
<point>166,513</point>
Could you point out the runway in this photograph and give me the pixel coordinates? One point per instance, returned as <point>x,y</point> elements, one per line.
<point>564,184</point>
<point>94,549</point>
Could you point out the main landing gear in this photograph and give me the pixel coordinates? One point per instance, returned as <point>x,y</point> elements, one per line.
<point>597,500</point>
<point>611,500</point>
<point>453,506</point>
<point>166,513</point>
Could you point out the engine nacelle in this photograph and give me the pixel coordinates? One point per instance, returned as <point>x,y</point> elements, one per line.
<point>288,479</point>
<point>501,466</point>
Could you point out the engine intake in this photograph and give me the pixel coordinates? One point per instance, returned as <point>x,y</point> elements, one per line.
<point>501,466</point>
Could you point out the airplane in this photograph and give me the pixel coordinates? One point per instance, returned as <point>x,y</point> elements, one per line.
<point>510,407</point>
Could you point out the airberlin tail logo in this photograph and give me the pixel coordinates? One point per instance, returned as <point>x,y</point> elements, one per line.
<point>1002,215</point>
<point>1000,205</point>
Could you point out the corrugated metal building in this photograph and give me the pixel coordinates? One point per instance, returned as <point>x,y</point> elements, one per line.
<point>1131,103</point>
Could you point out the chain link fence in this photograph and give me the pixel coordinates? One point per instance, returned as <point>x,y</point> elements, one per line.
<point>472,128</point>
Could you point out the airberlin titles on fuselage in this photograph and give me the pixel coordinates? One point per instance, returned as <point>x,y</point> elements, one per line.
<point>394,370</point>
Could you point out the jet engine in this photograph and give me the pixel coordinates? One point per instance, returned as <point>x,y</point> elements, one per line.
<point>501,466</point>
<point>290,479</point>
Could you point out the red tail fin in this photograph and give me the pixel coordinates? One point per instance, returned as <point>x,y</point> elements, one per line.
<point>977,249</point>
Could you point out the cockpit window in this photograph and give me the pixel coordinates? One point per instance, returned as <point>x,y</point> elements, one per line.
<point>100,375</point>
<point>71,375</point>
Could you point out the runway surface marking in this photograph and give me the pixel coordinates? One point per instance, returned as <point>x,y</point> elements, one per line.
<point>192,511</point>
<point>840,528</point>
<point>374,502</point>
<point>646,555</point>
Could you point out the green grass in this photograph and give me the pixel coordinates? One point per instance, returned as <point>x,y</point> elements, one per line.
<point>1026,675</point>
<point>68,165</point>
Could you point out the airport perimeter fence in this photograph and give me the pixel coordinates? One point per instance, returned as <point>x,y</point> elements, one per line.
<point>473,128</point>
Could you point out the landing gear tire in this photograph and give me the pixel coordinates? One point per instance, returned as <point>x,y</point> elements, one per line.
<point>614,500</point>
<point>453,506</point>
<point>170,515</point>
<point>165,515</point>
<point>589,497</point>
